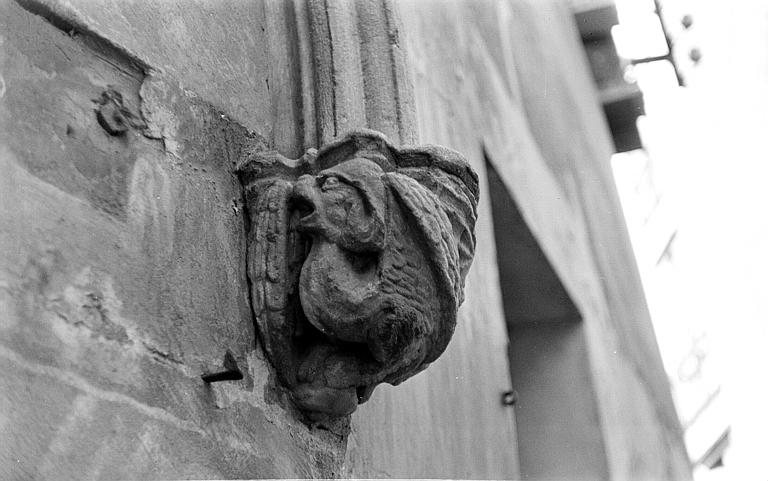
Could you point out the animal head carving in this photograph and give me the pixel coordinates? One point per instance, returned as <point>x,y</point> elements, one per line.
<point>357,257</point>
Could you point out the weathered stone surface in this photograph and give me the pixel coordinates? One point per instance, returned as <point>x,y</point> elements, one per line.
<point>122,257</point>
<point>357,259</point>
<point>271,65</point>
<point>123,278</point>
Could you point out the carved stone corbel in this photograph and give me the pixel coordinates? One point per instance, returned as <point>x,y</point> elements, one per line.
<point>357,255</point>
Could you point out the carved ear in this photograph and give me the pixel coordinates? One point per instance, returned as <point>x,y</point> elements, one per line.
<point>425,211</point>
<point>437,158</point>
<point>459,203</point>
<point>446,173</point>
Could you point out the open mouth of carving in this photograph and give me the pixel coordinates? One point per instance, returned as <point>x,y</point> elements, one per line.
<point>302,206</point>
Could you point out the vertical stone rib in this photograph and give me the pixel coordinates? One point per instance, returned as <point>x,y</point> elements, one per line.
<point>324,90</point>
<point>349,89</point>
<point>403,85</point>
<point>360,70</point>
<point>378,81</point>
<point>306,74</point>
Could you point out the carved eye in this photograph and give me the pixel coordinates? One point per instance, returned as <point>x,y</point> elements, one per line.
<point>330,182</point>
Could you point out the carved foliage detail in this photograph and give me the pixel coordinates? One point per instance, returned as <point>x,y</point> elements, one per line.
<point>357,255</point>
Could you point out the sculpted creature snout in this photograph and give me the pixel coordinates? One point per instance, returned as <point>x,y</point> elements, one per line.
<point>344,205</point>
<point>304,201</point>
<point>339,281</point>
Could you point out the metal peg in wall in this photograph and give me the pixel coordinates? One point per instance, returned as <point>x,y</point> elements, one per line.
<point>231,371</point>
<point>509,398</point>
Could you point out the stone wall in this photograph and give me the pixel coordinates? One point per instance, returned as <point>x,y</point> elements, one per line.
<point>122,277</point>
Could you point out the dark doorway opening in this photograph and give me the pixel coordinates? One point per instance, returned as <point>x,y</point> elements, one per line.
<point>558,429</point>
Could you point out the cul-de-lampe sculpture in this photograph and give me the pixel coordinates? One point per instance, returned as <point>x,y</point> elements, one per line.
<point>357,254</point>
